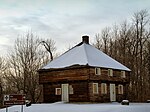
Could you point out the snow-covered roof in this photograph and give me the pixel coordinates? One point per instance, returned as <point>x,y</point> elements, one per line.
<point>85,54</point>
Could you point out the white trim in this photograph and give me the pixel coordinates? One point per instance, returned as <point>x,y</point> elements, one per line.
<point>97,71</point>
<point>120,89</point>
<point>65,92</point>
<point>103,88</point>
<point>70,89</point>
<point>123,74</point>
<point>110,72</point>
<point>95,88</point>
<point>112,92</point>
<point>57,91</point>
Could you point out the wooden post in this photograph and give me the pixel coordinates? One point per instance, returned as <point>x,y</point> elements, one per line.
<point>21,108</point>
<point>6,109</point>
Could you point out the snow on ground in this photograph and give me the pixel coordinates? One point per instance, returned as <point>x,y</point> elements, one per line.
<point>99,107</point>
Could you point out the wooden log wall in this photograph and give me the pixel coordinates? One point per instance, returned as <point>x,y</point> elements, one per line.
<point>80,92</point>
<point>81,79</point>
<point>74,74</point>
<point>104,76</point>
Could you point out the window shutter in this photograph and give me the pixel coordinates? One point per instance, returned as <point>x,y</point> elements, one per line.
<point>57,91</point>
<point>120,89</point>
<point>103,88</point>
<point>95,88</point>
<point>70,89</point>
<point>110,72</point>
<point>123,75</point>
<point>97,71</point>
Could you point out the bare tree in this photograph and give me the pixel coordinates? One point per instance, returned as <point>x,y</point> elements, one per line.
<point>3,66</point>
<point>102,40</point>
<point>98,44</point>
<point>105,37</point>
<point>26,59</point>
<point>129,44</point>
<point>140,21</point>
<point>49,45</point>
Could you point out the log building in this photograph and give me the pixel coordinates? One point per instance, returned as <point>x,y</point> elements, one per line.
<point>84,74</point>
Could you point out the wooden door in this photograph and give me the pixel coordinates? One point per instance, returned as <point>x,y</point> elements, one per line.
<point>65,92</point>
<point>112,92</point>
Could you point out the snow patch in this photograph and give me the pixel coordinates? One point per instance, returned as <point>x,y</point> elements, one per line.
<point>68,107</point>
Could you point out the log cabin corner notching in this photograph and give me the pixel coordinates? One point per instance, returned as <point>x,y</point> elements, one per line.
<point>84,74</point>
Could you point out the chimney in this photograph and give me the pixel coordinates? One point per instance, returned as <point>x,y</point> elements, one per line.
<point>85,39</point>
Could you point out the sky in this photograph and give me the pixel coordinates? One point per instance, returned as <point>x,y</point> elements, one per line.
<point>64,21</point>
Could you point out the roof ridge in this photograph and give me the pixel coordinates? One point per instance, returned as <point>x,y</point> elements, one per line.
<point>86,53</point>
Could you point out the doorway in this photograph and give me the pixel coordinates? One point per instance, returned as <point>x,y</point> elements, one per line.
<point>112,92</point>
<point>65,92</point>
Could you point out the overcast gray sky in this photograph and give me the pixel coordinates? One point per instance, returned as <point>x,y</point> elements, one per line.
<point>65,21</point>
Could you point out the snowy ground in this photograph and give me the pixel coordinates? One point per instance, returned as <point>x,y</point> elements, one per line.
<point>99,107</point>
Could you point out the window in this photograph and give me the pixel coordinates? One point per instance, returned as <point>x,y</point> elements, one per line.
<point>97,71</point>
<point>70,89</point>
<point>103,88</point>
<point>110,72</point>
<point>120,89</point>
<point>95,88</point>
<point>123,75</point>
<point>57,91</point>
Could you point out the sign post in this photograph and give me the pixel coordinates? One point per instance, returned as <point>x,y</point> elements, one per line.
<point>6,109</point>
<point>14,99</point>
<point>21,108</point>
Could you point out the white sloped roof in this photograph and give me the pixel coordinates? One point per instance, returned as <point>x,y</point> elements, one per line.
<point>85,54</point>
